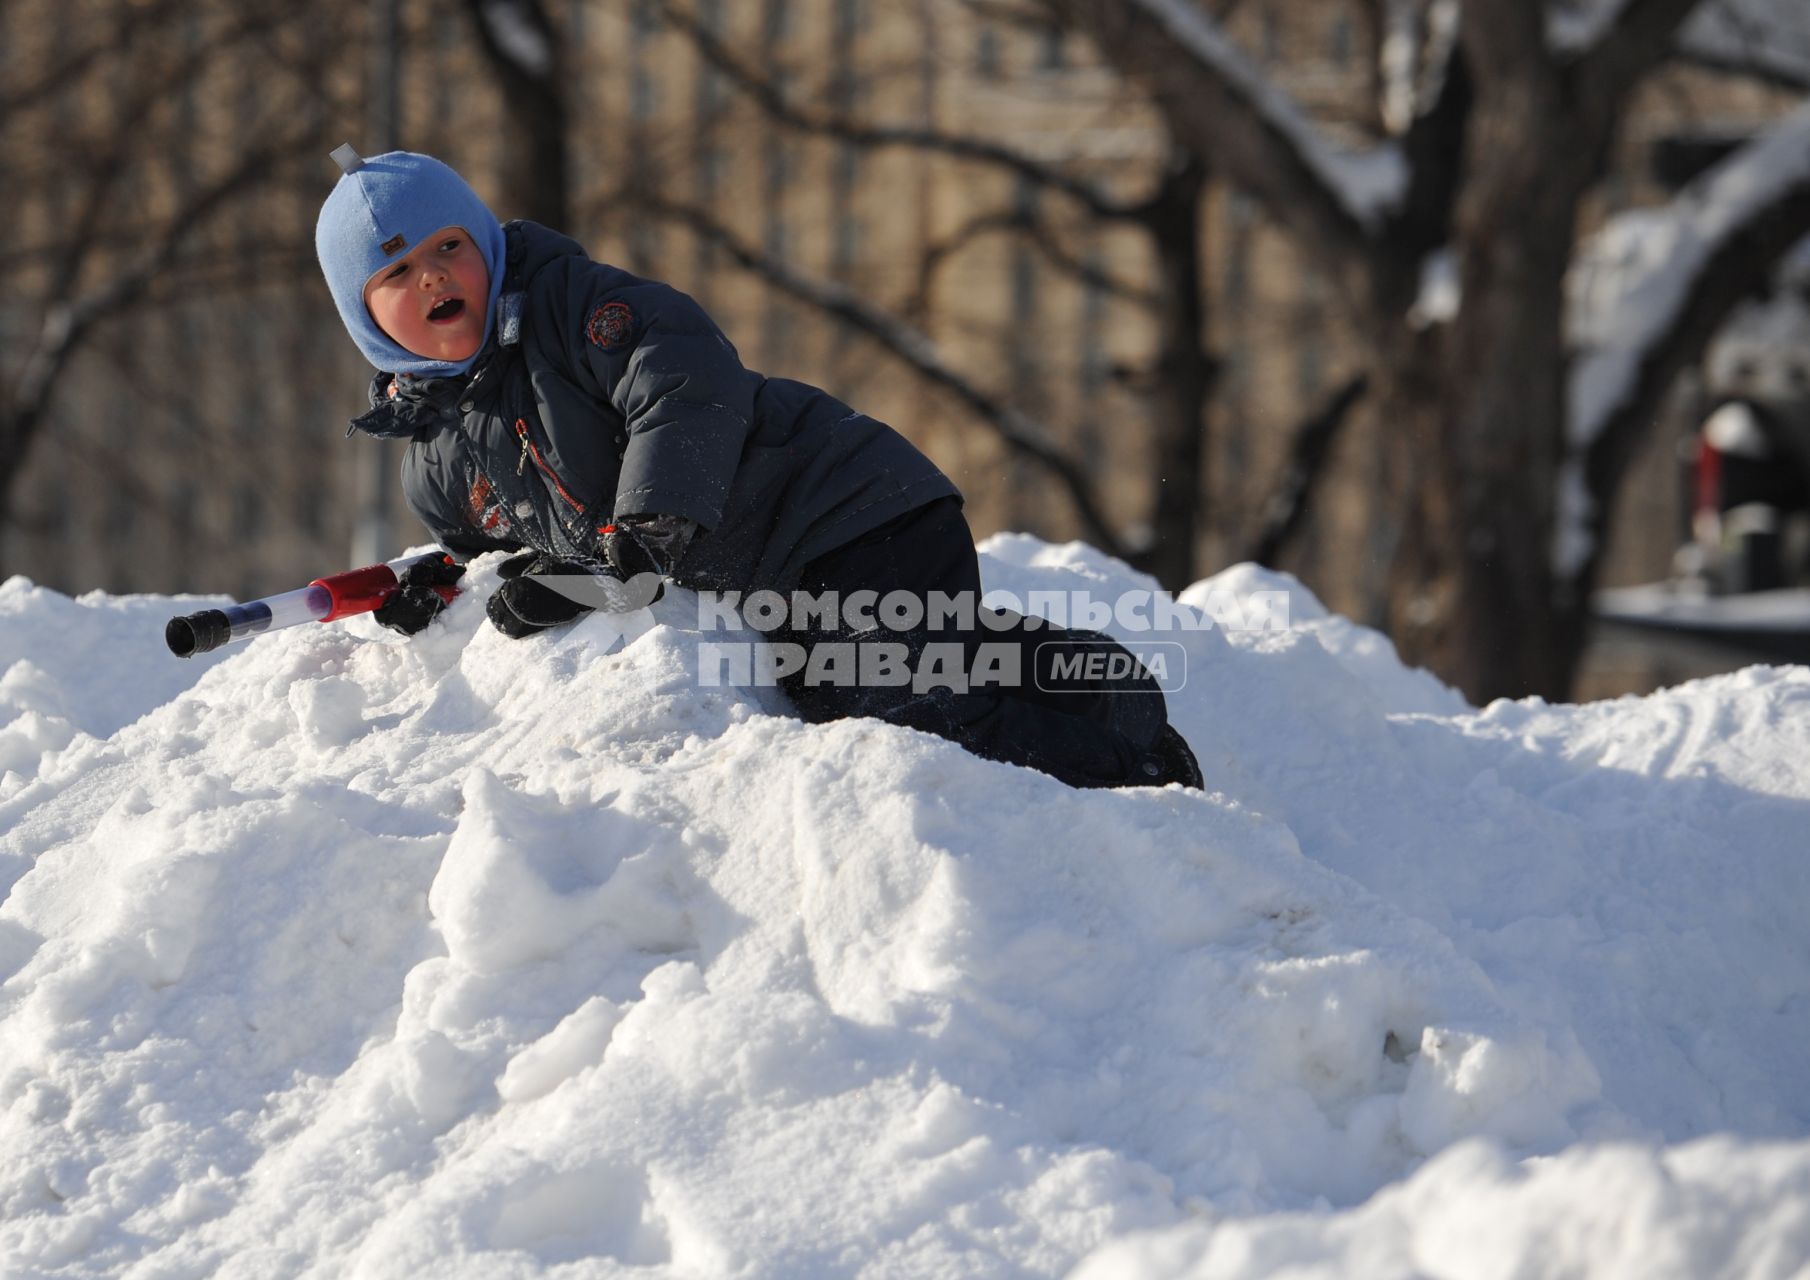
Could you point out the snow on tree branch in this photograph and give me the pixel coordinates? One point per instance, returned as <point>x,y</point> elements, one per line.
<point>1366,184</point>
<point>518,36</point>
<point>1769,39</point>
<point>1660,252</point>
<point>1572,26</point>
<point>1643,284</point>
<point>1416,46</point>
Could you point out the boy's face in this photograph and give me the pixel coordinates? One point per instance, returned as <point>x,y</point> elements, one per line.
<point>433,301</point>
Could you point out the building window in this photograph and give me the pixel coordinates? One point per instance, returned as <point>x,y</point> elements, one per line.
<point>310,511</point>
<point>1096,365</point>
<point>1024,344</point>
<point>776,22</point>
<point>122,518</point>
<point>777,179</point>
<point>182,513</point>
<point>986,52</point>
<point>645,246</point>
<point>1235,373</point>
<point>1238,273</point>
<point>643,20</point>
<point>711,165</point>
<point>1024,287</point>
<point>643,99</point>
<point>848,243</point>
<point>1310,366</point>
<point>1339,45</point>
<point>778,170</point>
<point>248,514</point>
<point>710,82</point>
<point>848,167</point>
<point>710,94</point>
<point>1311,350</point>
<point>776,332</point>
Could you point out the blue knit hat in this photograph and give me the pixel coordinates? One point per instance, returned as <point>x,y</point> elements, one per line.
<point>380,210</point>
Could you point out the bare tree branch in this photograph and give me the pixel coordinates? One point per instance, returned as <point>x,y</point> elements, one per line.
<point>1223,110</point>
<point>775,104</point>
<point>1643,35</point>
<point>67,323</point>
<point>1015,15</point>
<point>935,255</point>
<point>1039,233</point>
<point>128,123</point>
<point>1724,36</point>
<point>1016,429</point>
<point>1286,508</point>
<point>1778,73</point>
<point>119,36</point>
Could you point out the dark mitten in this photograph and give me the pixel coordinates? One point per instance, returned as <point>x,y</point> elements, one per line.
<point>647,544</point>
<point>516,565</point>
<point>524,604</point>
<point>415,603</point>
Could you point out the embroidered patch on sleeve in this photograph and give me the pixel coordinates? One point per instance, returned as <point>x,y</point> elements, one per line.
<point>609,325</point>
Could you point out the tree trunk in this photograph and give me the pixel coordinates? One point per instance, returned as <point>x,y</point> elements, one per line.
<point>523,49</point>
<point>1184,377</point>
<point>1472,595</point>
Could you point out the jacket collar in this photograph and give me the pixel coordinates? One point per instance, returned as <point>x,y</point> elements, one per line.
<point>403,406</point>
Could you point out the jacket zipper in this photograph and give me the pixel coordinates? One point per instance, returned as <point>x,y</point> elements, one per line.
<point>530,451</point>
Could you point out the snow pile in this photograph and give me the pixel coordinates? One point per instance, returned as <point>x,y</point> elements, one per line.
<point>1708,1208</point>
<point>79,666</point>
<point>352,956</point>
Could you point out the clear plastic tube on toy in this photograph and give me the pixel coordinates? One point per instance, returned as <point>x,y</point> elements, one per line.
<point>328,599</point>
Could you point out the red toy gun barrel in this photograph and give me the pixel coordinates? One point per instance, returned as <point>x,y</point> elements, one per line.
<point>328,599</point>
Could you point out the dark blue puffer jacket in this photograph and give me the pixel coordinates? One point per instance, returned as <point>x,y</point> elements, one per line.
<point>604,395</point>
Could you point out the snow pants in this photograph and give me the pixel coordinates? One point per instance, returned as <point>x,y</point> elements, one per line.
<point>1087,732</point>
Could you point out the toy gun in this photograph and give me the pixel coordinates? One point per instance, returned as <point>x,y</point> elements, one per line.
<point>324,600</point>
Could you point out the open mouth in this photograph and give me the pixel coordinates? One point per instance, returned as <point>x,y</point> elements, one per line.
<point>446,309</point>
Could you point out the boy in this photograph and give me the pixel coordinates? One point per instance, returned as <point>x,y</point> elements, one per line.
<point>597,422</point>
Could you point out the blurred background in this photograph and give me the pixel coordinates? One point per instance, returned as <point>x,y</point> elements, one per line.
<point>1425,302</point>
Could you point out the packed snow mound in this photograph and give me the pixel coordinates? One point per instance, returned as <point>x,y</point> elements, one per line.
<point>349,955</point>
<point>80,666</point>
<point>1709,1208</point>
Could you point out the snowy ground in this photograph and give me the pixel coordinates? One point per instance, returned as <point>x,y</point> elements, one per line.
<point>340,955</point>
